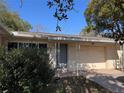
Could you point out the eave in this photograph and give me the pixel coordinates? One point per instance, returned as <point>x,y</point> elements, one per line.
<point>61,37</point>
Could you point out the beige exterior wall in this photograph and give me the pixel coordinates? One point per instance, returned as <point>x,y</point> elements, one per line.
<point>3,36</point>
<point>112,57</point>
<point>3,41</point>
<point>84,57</point>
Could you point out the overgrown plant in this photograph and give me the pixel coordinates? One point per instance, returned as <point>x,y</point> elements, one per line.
<point>25,70</point>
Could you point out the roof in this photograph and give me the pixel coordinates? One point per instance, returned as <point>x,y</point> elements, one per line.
<point>61,37</point>
<point>53,36</point>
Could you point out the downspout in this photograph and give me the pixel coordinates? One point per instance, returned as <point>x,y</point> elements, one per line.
<point>122,55</point>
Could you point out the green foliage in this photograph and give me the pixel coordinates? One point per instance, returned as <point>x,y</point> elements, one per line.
<point>88,31</point>
<point>107,17</point>
<point>62,7</point>
<point>25,70</point>
<point>12,20</point>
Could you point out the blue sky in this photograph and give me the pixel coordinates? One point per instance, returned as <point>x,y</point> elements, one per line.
<point>39,15</point>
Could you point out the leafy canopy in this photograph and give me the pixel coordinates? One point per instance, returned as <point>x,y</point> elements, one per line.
<point>107,16</point>
<point>12,20</point>
<point>88,31</point>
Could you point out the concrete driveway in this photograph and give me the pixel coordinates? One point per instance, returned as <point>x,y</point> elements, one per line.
<point>113,80</point>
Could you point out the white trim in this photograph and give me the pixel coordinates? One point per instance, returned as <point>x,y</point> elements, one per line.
<point>28,34</point>
<point>28,41</point>
<point>57,37</point>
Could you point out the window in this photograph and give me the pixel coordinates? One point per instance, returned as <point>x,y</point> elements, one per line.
<point>12,45</point>
<point>61,55</point>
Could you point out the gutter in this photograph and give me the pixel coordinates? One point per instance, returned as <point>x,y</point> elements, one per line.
<point>29,35</point>
<point>81,39</point>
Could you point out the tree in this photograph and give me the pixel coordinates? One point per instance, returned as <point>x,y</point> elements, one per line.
<point>88,31</point>
<point>24,72</point>
<point>62,7</point>
<point>11,20</point>
<point>107,16</point>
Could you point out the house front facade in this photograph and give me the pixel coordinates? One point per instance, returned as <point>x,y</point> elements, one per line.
<point>73,52</point>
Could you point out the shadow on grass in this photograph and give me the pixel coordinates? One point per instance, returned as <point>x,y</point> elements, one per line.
<point>73,84</point>
<point>120,79</point>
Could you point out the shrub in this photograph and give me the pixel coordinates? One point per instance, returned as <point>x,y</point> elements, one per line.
<point>25,70</point>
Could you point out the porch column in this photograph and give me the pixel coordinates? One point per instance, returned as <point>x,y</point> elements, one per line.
<point>55,50</point>
<point>121,58</point>
<point>123,55</point>
<point>77,58</point>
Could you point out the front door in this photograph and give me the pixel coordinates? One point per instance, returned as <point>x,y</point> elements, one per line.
<point>62,55</point>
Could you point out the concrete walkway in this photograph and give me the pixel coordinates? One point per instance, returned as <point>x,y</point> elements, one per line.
<point>113,80</point>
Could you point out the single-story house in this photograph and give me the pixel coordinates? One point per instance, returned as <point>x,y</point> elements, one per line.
<point>70,51</point>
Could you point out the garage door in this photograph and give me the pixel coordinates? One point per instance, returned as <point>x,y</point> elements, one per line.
<point>92,57</point>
